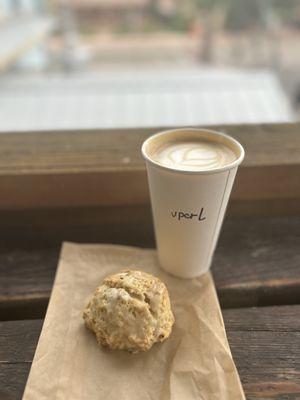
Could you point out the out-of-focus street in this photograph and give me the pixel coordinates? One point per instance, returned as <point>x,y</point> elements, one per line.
<point>93,63</point>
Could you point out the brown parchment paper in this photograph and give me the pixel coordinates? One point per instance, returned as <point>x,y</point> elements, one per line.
<point>194,363</point>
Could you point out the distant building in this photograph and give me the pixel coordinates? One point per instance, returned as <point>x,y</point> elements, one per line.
<point>104,14</point>
<point>118,14</point>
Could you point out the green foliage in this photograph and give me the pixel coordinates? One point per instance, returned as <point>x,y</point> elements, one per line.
<point>176,23</point>
<point>286,8</point>
<point>209,4</point>
<point>245,14</point>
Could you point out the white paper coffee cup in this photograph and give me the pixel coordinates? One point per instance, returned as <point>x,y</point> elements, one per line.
<point>188,206</point>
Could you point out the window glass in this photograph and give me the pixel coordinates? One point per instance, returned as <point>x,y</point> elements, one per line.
<point>139,63</point>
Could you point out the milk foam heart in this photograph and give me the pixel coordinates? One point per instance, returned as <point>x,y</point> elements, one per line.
<point>197,155</point>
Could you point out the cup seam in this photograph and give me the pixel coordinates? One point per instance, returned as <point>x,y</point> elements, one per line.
<point>214,231</point>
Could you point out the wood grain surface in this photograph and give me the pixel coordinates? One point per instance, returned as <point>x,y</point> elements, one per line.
<point>257,262</point>
<point>267,354</point>
<point>130,225</point>
<point>102,150</point>
<point>94,167</point>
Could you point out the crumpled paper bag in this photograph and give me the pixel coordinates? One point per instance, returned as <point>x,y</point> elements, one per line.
<point>194,363</point>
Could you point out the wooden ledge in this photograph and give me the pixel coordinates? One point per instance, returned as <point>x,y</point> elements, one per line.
<point>101,168</point>
<point>266,353</point>
<point>256,263</point>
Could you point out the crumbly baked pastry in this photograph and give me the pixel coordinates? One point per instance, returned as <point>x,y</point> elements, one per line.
<point>130,311</point>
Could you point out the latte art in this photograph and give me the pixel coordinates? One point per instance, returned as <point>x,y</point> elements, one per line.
<point>194,155</point>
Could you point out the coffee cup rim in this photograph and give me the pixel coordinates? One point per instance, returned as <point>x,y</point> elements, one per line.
<point>212,132</point>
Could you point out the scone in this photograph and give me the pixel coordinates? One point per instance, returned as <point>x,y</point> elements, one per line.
<point>130,311</point>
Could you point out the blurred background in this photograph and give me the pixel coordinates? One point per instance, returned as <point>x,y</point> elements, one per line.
<point>139,63</point>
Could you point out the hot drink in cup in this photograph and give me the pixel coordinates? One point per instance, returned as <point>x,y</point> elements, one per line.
<point>190,173</point>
